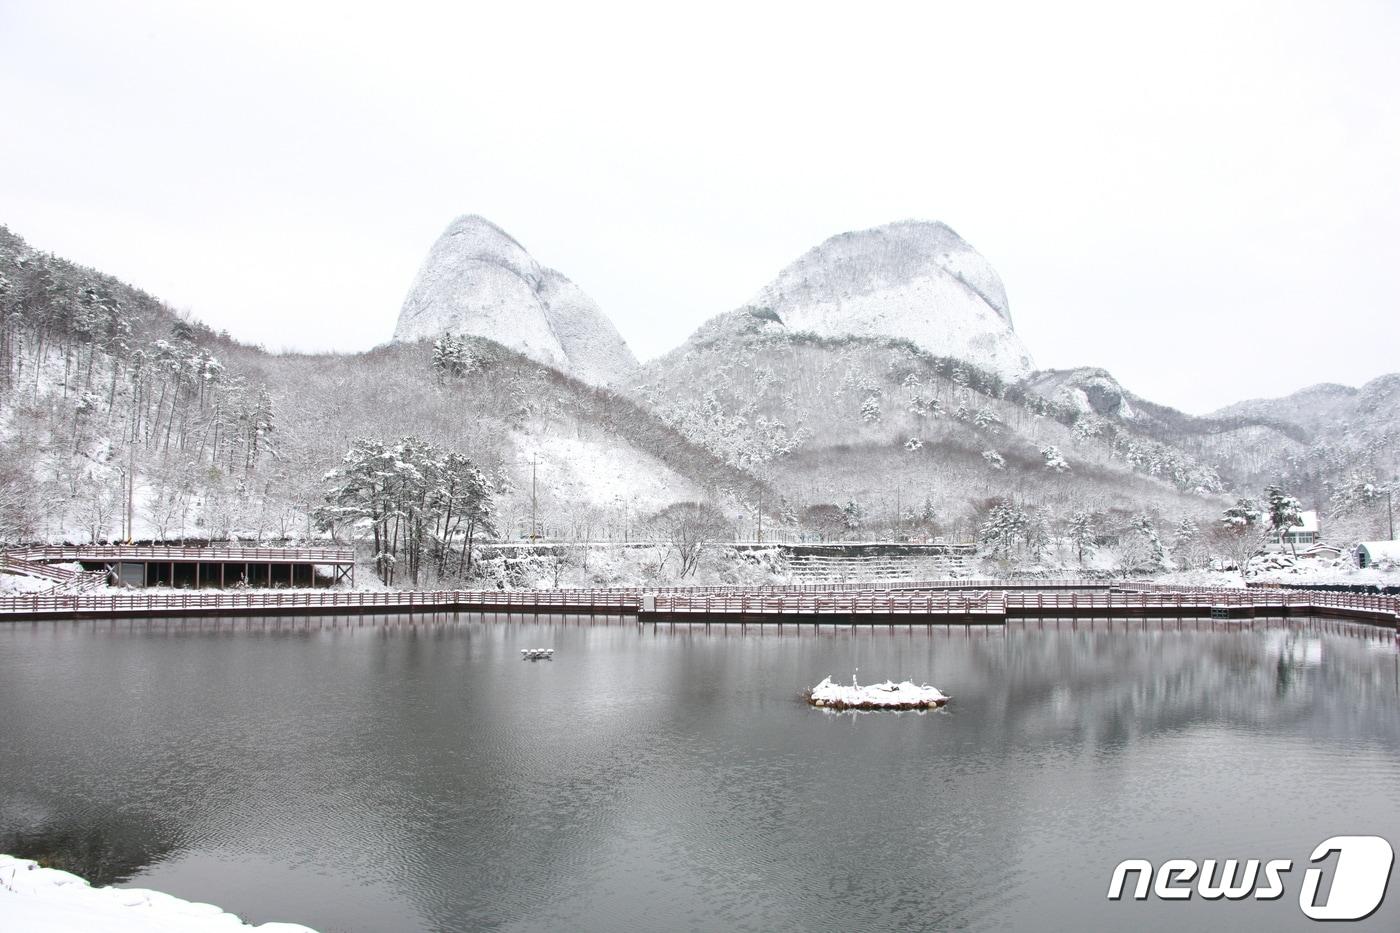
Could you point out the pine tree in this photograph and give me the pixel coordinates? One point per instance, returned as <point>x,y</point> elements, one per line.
<point>1284,511</point>
<point>1083,533</point>
<point>1239,532</point>
<point>1005,523</point>
<point>1184,539</point>
<point>1054,462</point>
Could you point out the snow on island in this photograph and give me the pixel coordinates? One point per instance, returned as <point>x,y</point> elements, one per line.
<point>46,900</point>
<point>888,695</point>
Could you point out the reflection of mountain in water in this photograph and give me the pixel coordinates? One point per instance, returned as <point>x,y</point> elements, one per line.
<point>1115,687</point>
<point>657,778</point>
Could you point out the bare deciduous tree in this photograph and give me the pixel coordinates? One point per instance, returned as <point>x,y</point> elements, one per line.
<point>689,527</point>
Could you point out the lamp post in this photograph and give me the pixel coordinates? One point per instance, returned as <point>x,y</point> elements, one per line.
<point>534,459</point>
<point>760,515</point>
<point>1390,505</point>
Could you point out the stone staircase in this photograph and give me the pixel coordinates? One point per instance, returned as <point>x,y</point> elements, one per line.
<point>839,568</point>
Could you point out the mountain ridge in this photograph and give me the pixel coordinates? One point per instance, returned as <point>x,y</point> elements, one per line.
<point>746,410</point>
<point>478,280</point>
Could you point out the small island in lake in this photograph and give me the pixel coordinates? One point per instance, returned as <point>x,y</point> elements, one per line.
<point>888,695</point>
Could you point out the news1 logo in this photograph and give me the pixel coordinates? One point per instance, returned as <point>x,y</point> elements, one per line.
<point>1359,876</point>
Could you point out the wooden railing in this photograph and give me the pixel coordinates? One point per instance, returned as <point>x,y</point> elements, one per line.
<point>932,602</point>
<point>10,563</point>
<point>207,602</point>
<point>118,552</point>
<point>1203,598</point>
<point>877,586</point>
<point>1276,595</point>
<point>1005,603</point>
<point>925,603</point>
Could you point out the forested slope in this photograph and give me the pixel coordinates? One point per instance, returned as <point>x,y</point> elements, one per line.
<point>108,397</point>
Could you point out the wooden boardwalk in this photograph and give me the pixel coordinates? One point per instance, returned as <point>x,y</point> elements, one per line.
<point>939,603</point>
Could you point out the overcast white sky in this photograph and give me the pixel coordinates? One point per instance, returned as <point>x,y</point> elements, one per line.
<point>1203,198</point>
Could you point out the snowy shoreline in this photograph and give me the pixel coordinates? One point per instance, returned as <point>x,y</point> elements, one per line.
<point>888,695</point>
<point>45,900</point>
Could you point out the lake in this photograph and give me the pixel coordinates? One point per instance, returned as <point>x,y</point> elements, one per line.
<point>371,774</point>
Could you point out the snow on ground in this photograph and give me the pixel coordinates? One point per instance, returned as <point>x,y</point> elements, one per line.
<point>888,695</point>
<point>1341,572</point>
<point>601,474</point>
<point>1222,578</point>
<point>46,900</point>
<point>1283,568</point>
<point>12,584</point>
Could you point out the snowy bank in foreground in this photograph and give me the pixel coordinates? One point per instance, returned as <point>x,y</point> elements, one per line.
<point>46,900</point>
<point>888,695</point>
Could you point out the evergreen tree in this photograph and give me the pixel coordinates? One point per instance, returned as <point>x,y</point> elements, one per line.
<point>1285,512</point>
<point>415,498</point>
<point>1083,533</point>
<point>1238,532</point>
<point>1005,524</point>
<point>1054,462</point>
<point>1184,539</point>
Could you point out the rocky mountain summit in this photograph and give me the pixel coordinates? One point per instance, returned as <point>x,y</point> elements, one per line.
<point>479,281</point>
<point>1088,390</point>
<point>912,280</point>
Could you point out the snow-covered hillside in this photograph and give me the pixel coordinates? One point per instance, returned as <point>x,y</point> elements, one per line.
<point>861,431</point>
<point>1314,408</point>
<point>100,382</point>
<point>897,437</point>
<point>912,280</point>
<point>478,281</point>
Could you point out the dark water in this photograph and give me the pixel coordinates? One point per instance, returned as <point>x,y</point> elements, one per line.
<point>384,775</point>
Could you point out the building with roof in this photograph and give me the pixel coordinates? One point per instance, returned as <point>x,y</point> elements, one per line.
<point>1306,534</point>
<point>1370,553</point>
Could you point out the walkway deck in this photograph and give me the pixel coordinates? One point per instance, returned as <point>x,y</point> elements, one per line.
<point>935,605</point>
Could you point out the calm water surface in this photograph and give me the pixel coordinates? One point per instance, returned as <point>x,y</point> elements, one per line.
<point>367,775</point>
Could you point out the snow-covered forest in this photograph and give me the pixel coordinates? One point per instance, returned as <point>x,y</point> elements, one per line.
<point>123,420</point>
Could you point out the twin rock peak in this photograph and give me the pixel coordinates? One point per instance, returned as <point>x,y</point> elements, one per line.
<point>911,280</point>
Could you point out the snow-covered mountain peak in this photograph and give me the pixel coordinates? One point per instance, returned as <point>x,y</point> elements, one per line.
<point>479,280</point>
<point>907,249</point>
<point>474,235</point>
<point>913,280</point>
